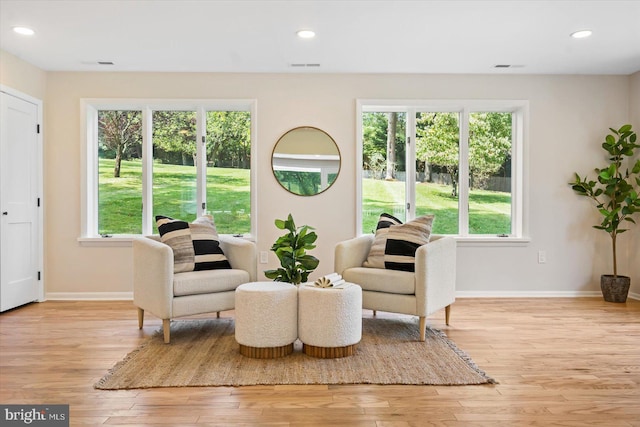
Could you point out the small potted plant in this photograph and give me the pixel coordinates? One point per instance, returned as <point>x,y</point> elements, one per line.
<point>291,249</point>
<point>616,197</point>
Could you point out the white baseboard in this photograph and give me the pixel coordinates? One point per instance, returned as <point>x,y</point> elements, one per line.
<point>128,296</point>
<point>89,296</point>
<point>535,294</point>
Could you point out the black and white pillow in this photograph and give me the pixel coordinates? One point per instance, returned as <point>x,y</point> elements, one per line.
<point>375,259</point>
<point>195,245</point>
<point>402,241</point>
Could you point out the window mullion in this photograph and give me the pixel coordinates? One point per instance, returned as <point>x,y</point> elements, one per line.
<point>147,171</point>
<point>463,174</point>
<point>201,161</point>
<point>410,162</point>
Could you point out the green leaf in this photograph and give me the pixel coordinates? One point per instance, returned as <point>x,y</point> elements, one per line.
<point>625,128</point>
<point>579,188</point>
<point>309,262</point>
<point>289,224</point>
<point>309,239</point>
<point>272,274</point>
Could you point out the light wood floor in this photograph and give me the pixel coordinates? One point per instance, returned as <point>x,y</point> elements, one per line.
<point>569,362</point>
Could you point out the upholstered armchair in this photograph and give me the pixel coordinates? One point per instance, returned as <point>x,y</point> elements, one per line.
<point>430,288</point>
<point>167,295</point>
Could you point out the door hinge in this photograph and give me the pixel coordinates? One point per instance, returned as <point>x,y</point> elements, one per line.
<point>408,140</point>
<point>408,206</point>
<point>37,128</point>
<point>39,275</point>
<point>38,201</point>
<point>203,139</point>
<point>203,205</point>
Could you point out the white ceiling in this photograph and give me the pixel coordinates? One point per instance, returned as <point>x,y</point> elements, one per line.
<point>381,36</point>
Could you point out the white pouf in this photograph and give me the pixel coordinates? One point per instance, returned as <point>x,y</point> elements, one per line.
<point>266,319</point>
<point>329,320</point>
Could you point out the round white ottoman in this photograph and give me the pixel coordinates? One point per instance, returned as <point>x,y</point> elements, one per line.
<point>266,319</point>
<point>329,320</point>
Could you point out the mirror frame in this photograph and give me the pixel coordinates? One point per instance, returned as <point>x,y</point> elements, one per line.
<point>330,138</point>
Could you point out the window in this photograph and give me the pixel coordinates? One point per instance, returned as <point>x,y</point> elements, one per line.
<point>459,160</point>
<point>175,158</point>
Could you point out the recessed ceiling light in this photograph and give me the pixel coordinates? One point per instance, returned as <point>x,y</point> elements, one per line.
<point>306,34</point>
<point>25,31</point>
<point>581,34</point>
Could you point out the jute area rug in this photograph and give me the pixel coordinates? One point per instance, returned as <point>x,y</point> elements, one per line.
<point>205,353</point>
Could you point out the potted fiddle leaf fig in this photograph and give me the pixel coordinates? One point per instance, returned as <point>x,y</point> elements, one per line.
<point>615,194</point>
<point>291,249</point>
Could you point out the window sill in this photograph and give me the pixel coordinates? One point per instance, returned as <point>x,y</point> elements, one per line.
<point>124,241</point>
<point>488,241</point>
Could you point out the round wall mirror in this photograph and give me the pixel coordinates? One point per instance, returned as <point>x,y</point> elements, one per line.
<point>305,161</point>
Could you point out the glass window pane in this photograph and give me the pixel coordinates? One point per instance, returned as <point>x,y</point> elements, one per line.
<point>229,170</point>
<point>437,161</point>
<point>174,160</point>
<point>383,168</point>
<point>490,173</point>
<point>119,172</point>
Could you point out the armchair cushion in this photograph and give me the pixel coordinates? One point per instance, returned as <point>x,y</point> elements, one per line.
<point>195,245</point>
<point>403,240</point>
<point>381,280</point>
<point>207,282</point>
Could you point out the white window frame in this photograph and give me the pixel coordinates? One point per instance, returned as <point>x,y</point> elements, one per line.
<point>89,108</point>
<point>519,182</point>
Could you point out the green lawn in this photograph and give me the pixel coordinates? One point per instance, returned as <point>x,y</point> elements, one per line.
<point>228,198</point>
<point>174,195</point>
<point>489,211</point>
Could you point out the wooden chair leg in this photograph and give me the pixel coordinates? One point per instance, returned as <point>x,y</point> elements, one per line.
<point>447,313</point>
<point>140,318</point>
<point>423,328</point>
<point>166,329</point>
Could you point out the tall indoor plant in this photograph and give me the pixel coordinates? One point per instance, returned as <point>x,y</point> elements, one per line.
<point>616,197</point>
<point>291,249</point>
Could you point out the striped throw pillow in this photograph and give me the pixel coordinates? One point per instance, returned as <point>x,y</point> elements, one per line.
<point>375,259</point>
<point>403,240</point>
<point>195,245</point>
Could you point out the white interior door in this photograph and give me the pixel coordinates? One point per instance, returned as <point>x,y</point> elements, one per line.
<point>19,202</point>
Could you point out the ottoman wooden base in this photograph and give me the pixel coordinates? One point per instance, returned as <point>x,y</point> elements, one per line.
<point>329,352</point>
<point>266,352</point>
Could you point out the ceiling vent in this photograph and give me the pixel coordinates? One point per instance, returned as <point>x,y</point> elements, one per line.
<point>303,65</point>
<point>508,66</point>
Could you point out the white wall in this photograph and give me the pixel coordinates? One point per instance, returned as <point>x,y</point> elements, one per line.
<point>569,116</point>
<point>634,241</point>
<point>22,76</point>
